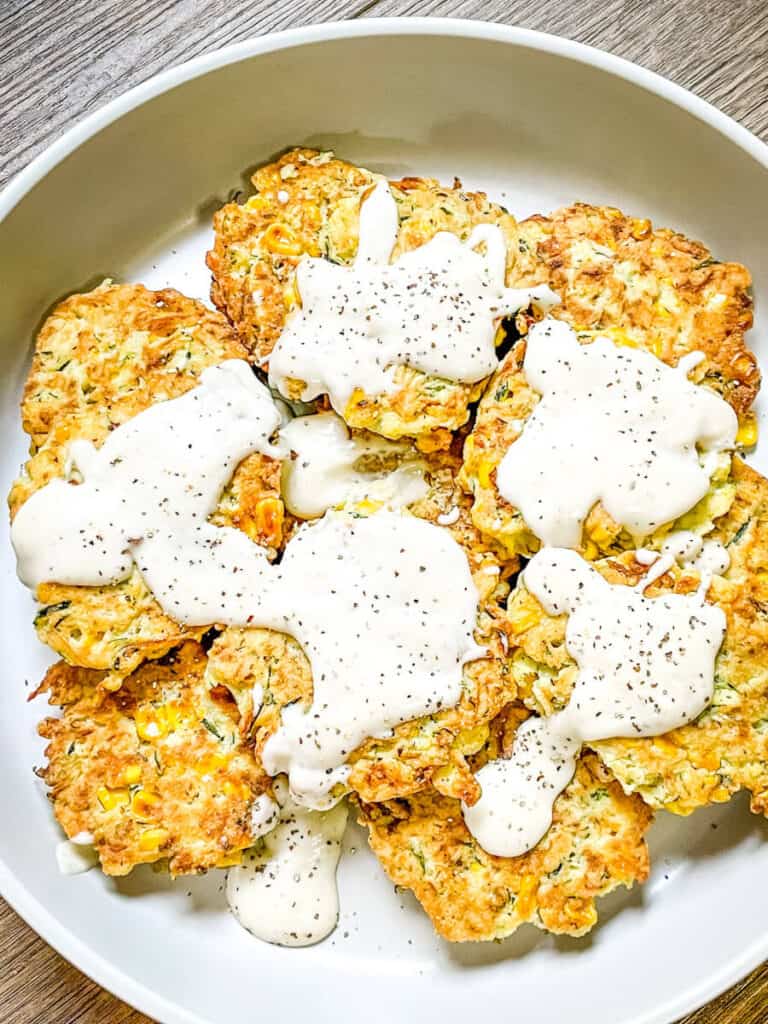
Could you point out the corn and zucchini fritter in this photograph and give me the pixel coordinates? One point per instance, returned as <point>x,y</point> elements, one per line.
<point>156,771</point>
<point>101,358</point>
<point>648,289</point>
<point>309,203</point>
<point>595,844</point>
<point>726,748</point>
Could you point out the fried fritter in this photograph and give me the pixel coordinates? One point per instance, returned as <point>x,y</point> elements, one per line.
<point>595,844</point>
<point>427,751</point>
<point>653,290</point>
<point>156,771</point>
<point>100,359</point>
<point>309,203</point>
<point>726,748</point>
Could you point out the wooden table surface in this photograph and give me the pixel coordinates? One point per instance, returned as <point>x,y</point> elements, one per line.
<point>60,59</point>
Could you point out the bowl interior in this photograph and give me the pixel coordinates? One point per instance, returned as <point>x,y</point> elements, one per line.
<point>535,129</point>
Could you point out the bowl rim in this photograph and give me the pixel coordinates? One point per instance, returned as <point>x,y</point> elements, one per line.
<point>17,895</point>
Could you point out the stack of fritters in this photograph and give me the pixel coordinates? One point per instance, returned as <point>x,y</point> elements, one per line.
<point>157,755</point>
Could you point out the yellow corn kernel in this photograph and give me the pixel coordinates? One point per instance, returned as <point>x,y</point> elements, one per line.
<point>746,436</point>
<point>618,337</point>
<point>154,723</point>
<point>153,839</point>
<point>231,860</point>
<point>640,228</point>
<point>211,763</point>
<point>258,203</point>
<point>484,469</point>
<point>476,867</point>
<point>144,803</point>
<point>367,507</point>
<point>523,617</point>
<point>590,550</point>
<point>112,798</point>
<point>268,516</point>
<point>291,296</point>
<point>281,240</point>
<point>469,741</point>
<point>149,724</point>
<point>500,336</point>
<point>313,215</point>
<point>600,534</point>
<point>525,904</point>
<point>721,795</point>
<point>132,774</point>
<point>666,747</point>
<point>705,759</point>
<point>679,808</point>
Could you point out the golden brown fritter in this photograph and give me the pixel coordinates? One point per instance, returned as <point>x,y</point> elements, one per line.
<point>653,290</point>
<point>100,359</point>
<point>595,844</point>
<point>309,203</point>
<point>157,771</point>
<point>726,748</point>
<point>651,287</point>
<point>430,750</point>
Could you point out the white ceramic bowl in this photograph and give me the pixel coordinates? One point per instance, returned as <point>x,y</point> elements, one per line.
<point>537,121</point>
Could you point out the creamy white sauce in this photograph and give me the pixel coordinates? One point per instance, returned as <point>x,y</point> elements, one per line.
<point>154,482</point>
<point>285,890</point>
<point>614,425</point>
<point>435,309</point>
<point>76,855</point>
<point>708,557</point>
<point>384,607</point>
<point>326,470</point>
<point>645,666</point>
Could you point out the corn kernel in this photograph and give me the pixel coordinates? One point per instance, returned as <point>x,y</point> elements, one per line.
<point>144,803</point>
<point>721,795</point>
<point>746,436</point>
<point>640,228</point>
<point>523,618</point>
<point>132,775</point>
<point>600,534</point>
<point>706,759</point>
<point>476,867</point>
<point>281,240</point>
<point>257,203</point>
<point>525,904</point>
<point>484,470</point>
<point>268,516</point>
<point>291,295</point>
<point>148,724</point>
<point>111,798</point>
<point>469,741</point>
<point>153,839</point>
<point>590,550</point>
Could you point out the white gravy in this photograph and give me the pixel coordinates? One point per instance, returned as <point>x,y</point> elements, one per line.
<point>645,666</point>
<point>285,890</point>
<point>326,473</point>
<point>614,425</point>
<point>435,309</point>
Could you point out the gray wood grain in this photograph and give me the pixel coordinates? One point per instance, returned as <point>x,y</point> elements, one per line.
<point>61,59</point>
